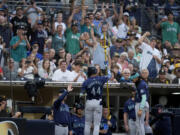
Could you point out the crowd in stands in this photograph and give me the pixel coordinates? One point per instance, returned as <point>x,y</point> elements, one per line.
<point>60,48</point>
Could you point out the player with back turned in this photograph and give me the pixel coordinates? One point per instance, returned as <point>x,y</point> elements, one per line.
<point>93,86</point>
<point>141,104</point>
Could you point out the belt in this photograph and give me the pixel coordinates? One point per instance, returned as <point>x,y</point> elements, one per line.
<point>62,125</point>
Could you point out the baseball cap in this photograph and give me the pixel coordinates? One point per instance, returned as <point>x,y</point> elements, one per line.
<point>162,72</point>
<point>74,24</point>
<point>119,40</point>
<point>126,14</point>
<point>165,61</point>
<point>21,27</point>
<point>17,8</point>
<point>116,54</point>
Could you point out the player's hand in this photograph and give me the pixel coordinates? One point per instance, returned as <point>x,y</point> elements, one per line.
<point>70,133</point>
<point>140,113</point>
<point>126,128</point>
<point>69,88</point>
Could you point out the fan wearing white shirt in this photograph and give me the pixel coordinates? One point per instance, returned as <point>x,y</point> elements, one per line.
<point>59,22</point>
<point>123,22</point>
<point>77,74</point>
<point>151,57</point>
<point>62,74</point>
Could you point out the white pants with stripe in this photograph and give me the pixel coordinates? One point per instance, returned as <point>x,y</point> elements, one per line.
<point>93,114</point>
<point>140,120</point>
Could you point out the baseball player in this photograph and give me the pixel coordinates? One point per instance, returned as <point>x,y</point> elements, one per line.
<point>78,120</point>
<point>108,124</point>
<point>141,104</point>
<point>93,86</point>
<point>129,114</point>
<point>62,116</point>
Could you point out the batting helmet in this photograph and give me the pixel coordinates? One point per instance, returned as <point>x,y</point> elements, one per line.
<point>91,71</point>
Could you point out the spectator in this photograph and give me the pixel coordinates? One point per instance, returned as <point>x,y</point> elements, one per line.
<point>2,51</point>
<point>85,23</point>
<point>98,52</point>
<point>39,35</point>
<point>58,39</point>
<point>5,31</point>
<point>10,71</point>
<point>138,53</point>
<point>162,77</point>
<point>117,74</point>
<point>151,57</point>
<point>122,62</point>
<point>69,61</point>
<point>73,44</point>
<point>125,75</point>
<point>99,72</point>
<point>133,71</point>
<point>131,58</point>
<point>109,18</point>
<point>171,5</point>
<point>123,23</point>
<point>45,72</point>
<point>35,48</point>
<point>27,69</point>
<point>170,29</point>
<point>59,22</point>
<point>46,57</point>
<point>4,109</point>
<point>117,47</point>
<point>32,12</point>
<point>112,79</point>
<point>20,20</point>
<point>115,59</point>
<point>77,74</point>
<point>62,74</point>
<point>52,55</point>
<point>61,55</point>
<point>177,73</point>
<point>19,45</point>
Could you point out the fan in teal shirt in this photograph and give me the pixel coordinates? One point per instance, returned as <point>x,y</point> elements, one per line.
<point>20,51</point>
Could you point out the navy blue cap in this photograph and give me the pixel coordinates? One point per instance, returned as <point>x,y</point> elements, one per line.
<point>74,24</point>
<point>21,27</point>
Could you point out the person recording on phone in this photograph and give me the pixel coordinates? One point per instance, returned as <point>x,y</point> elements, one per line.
<point>19,45</point>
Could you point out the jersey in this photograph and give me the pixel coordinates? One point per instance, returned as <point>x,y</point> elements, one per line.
<point>61,111</point>
<point>78,124</point>
<point>129,108</point>
<point>142,88</point>
<point>93,86</point>
<point>104,125</point>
